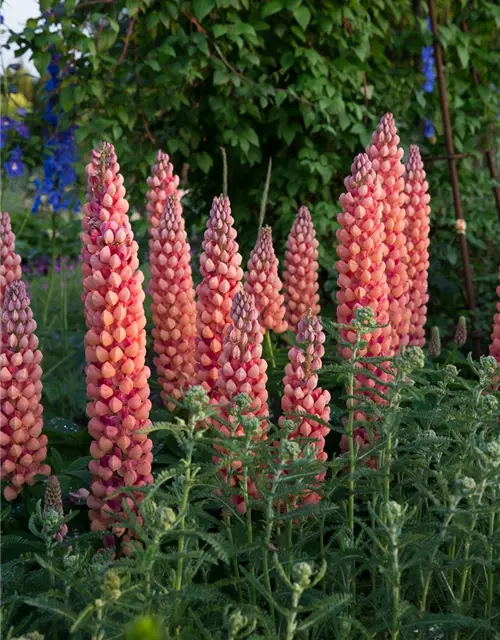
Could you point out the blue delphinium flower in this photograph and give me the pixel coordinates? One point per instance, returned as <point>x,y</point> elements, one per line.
<point>60,152</point>
<point>14,165</point>
<point>429,71</point>
<point>21,112</point>
<point>429,131</point>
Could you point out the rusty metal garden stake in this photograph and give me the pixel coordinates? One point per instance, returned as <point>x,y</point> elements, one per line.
<point>452,163</point>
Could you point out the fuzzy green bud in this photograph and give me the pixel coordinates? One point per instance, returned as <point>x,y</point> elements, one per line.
<point>488,403</point>
<point>236,622</point>
<point>488,365</point>
<point>291,449</point>
<point>450,374</point>
<point>466,485</point>
<point>435,343</point>
<point>364,318</point>
<point>196,400</point>
<point>243,402</point>
<point>111,586</point>
<point>165,518</point>
<point>492,451</point>
<point>302,573</point>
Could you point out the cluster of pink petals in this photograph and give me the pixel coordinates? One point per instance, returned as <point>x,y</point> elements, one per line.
<point>10,261</point>
<point>362,280</point>
<point>115,345</point>
<point>242,370</point>
<point>173,306</point>
<point>300,278</point>
<point>263,282</point>
<point>302,393</point>
<point>23,447</point>
<point>162,183</point>
<point>417,243</point>
<point>386,155</point>
<point>221,276</point>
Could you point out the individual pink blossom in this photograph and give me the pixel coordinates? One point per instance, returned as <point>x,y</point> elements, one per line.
<point>10,261</point>
<point>417,243</point>
<point>80,496</point>
<point>162,183</point>
<point>495,336</point>
<point>263,282</point>
<point>115,346</point>
<point>301,391</point>
<point>23,446</point>
<point>242,370</point>
<point>361,270</point>
<point>386,155</point>
<point>300,278</point>
<point>221,276</point>
<point>173,306</point>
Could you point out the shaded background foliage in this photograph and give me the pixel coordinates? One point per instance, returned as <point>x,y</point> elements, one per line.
<point>302,82</point>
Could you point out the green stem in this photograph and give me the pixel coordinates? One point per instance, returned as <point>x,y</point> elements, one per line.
<point>235,561</point>
<point>52,267</point>
<point>491,575</point>
<point>289,543</point>
<point>292,615</point>
<point>248,520</point>
<point>352,469</point>
<point>269,349</point>
<point>395,591</point>
<point>184,504</point>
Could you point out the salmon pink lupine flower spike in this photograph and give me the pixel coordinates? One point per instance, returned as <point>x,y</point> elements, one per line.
<point>263,282</point>
<point>173,306</point>
<point>242,370</point>
<point>386,155</point>
<point>10,261</point>
<point>115,346</point>
<point>52,502</point>
<point>221,272</point>
<point>417,243</point>
<point>23,447</point>
<point>362,280</point>
<point>300,278</point>
<point>162,183</point>
<point>302,393</point>
<point>495,336</point>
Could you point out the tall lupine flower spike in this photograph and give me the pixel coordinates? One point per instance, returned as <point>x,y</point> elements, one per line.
<point>221,272</point>
<point>263,282</point>
<point>162,183</point>
<point>362,280</point>
<point>386,155</point>
<point>242,370</point>
<point>10,261</point>
<point>417,243</point>
<point>302,393</point>
<point>23,447</point>
<point>300,278</point>
<point>53,503</point>
<point>495,336</point>
<point>115,346</point>
<point>435,343</point>
<point>173,306</point>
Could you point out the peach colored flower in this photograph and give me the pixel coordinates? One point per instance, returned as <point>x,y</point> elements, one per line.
<point>10,261</point>
<point>115,346</point>
<point>385,154</point>
<point>300,278</point>
<point>173,306</point>
<point>23,446</point>
<point>263,282</point>
<point>162,183</point>
<point>417,243</point>
<point>495,336</point>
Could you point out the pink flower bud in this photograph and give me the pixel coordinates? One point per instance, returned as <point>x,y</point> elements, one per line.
<point>495,336</point>
<point>162,183</point>
<point>10,261</point>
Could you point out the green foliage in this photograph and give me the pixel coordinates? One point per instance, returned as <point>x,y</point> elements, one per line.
<point>299,81</point>
<point>406,547</point>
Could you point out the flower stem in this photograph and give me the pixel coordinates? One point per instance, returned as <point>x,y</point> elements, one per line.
<point>52,267</point>
<point>269,349</point>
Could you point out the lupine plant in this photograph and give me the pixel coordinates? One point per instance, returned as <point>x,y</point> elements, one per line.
<point>495,336</point>
<point>10,265</point>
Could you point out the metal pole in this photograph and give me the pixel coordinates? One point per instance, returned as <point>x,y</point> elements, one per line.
<point>452,163</point>
<point>489,155</point>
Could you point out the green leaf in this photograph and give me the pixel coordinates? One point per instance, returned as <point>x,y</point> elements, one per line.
<point>204,161</point>
<point>303,16</point>
<point>201,8</point>
<point>271,8</point>
<point>463,54</point>
<point>132,6</point>
<point>114,24</point>
<point>41,61</point>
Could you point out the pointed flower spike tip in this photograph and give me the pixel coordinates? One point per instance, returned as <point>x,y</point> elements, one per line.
<point>10,261</point>
<point>173,307</point>
<point>495,336</point>
<point>385,154</point>
<point>417,212</point>
<point>461,332</point>
<point>242,370</point>
<point>220,267</point>
<point>300,278</point>
<point>115,346</point>
<point>263,282</point>
<point>302,393</point>
<point>435,343</point>
<point>53,503</point>
<point>24,447</point>
<point>162,183</point>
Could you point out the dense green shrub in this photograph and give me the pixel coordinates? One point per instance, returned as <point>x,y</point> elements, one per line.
<point>298,81</point>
